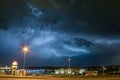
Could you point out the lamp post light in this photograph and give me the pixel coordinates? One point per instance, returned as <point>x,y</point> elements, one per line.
<point>69,62</point>
<point>25,50</point>
<point>69,66</point>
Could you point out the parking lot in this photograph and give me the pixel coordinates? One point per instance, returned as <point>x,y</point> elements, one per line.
<point>56,78</point>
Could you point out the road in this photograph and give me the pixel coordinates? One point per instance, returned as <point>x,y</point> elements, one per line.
<point>61,79</point>
<point>56,78</point>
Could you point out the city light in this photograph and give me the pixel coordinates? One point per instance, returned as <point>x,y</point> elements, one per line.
<point>25,49</point>
<point>15,63</point>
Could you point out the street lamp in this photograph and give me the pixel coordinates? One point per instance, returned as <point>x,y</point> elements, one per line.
<point>69,66</point>
<point>25,50</point>
<point>69,62</point>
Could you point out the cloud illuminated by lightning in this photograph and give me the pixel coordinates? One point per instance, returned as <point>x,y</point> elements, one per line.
<point>61,54</point>
<point>42,40</point>
<point>75,49</point>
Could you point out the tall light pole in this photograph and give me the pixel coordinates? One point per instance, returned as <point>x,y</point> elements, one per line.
<point>69,70</point>
<point>25,50</point>
<point>69,62</point>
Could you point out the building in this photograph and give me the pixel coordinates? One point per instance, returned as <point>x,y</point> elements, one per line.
<point>5,70</point>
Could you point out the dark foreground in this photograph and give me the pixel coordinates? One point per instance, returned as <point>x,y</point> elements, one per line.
<point>46,77</point>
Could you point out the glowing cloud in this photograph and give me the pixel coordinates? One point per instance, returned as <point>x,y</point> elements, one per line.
<point>75,49</point>
<point>41,40</point>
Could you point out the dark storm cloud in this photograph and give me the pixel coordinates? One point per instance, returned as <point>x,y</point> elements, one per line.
<point>10,10</point>
<point>86,16</point>
<point>78,42</point>
<point>89,16</point>
<point>50,28</point>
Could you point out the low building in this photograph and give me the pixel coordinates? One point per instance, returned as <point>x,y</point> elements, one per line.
<point>63,71</point>
<point>21,72</point>
<point>5,70</point>
<point>82,71</point>
<point>67,71</point>
<point>91,73</point>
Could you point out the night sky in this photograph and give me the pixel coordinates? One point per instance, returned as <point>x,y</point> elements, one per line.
<point>87,31</point>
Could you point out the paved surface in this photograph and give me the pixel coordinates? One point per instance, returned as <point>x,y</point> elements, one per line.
<point>61,79</point>
<point>56,78</point>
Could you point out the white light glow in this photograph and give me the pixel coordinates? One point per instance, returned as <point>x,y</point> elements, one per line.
<point>75,49</point>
